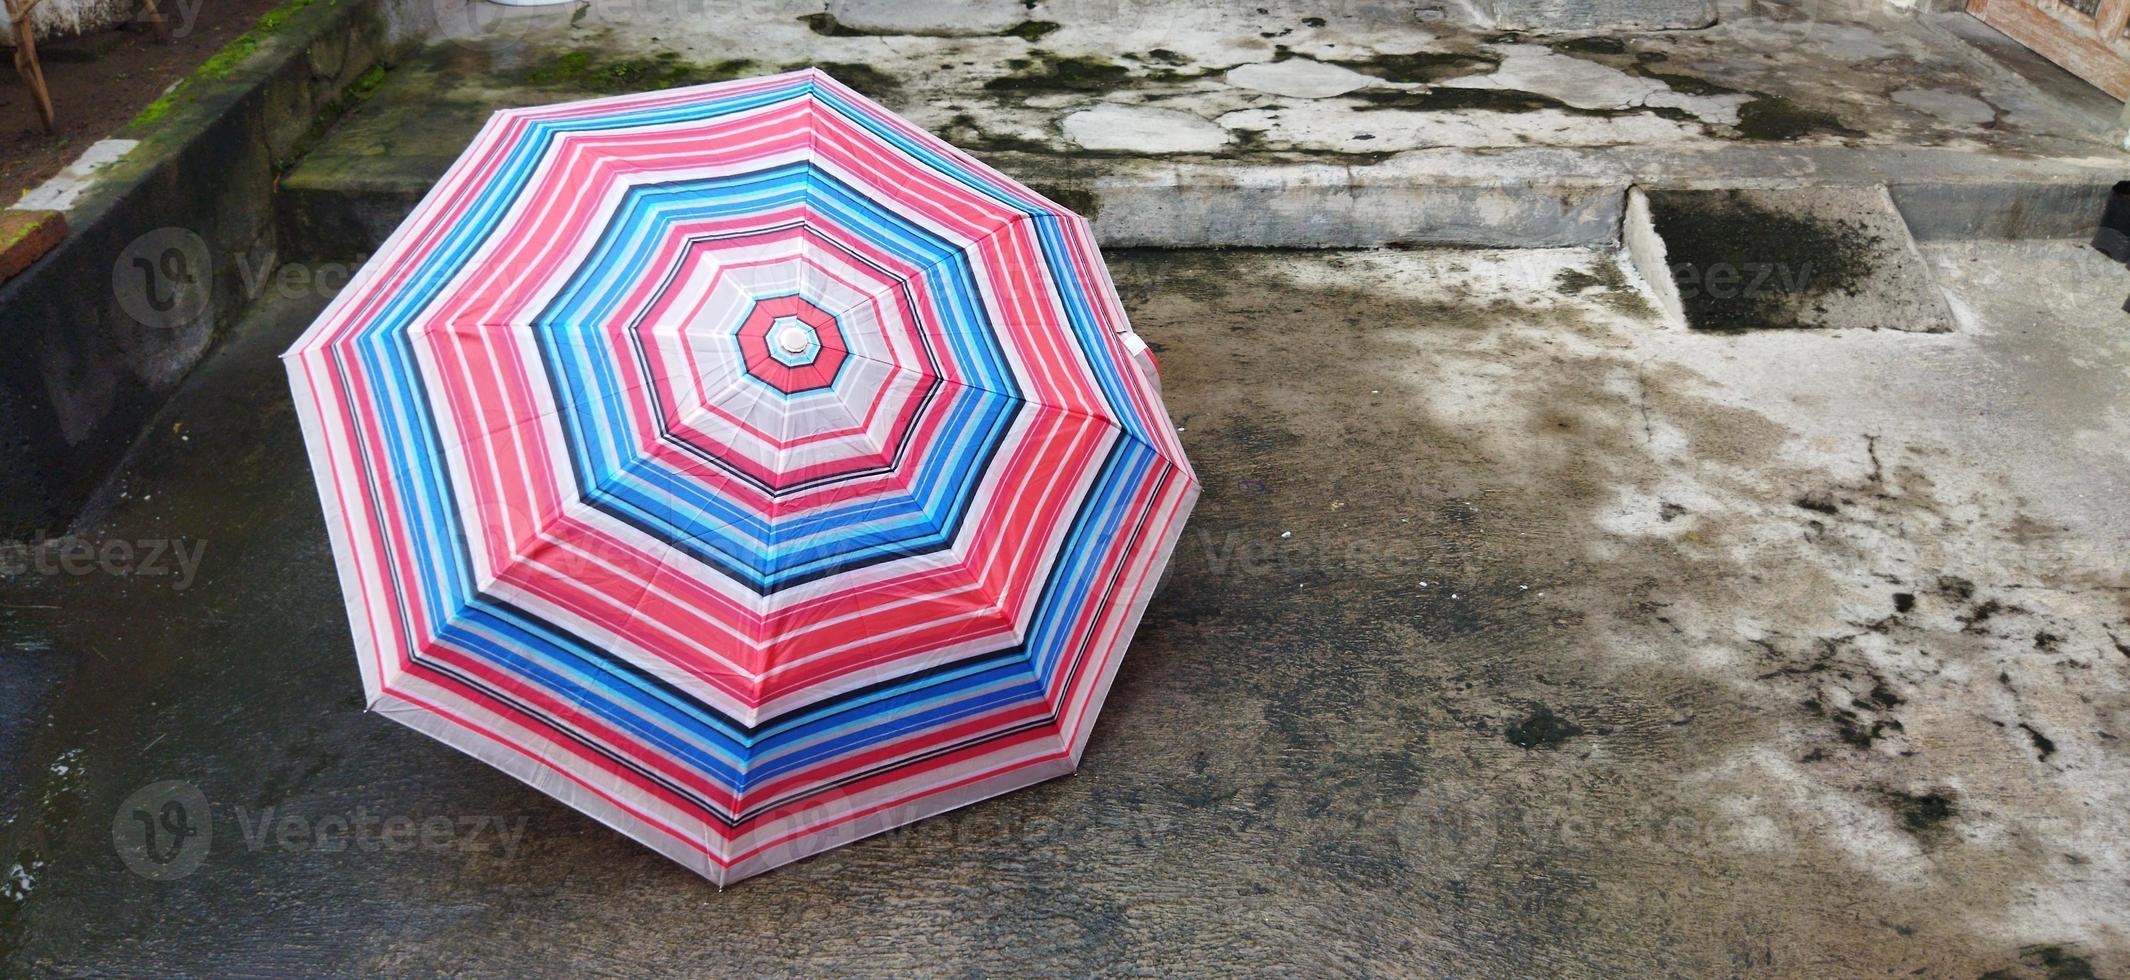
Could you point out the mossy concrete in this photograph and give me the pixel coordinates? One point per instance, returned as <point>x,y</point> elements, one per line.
<point>1444,131</point>
<point>82,365</point>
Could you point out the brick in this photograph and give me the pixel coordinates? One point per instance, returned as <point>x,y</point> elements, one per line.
<point>25,236</point>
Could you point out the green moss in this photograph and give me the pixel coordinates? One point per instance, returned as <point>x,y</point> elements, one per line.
<point>1422,66</point>
<point>1031,31</point>
<point>1051,73</point>
<point>356,93</point>
<point>588,70</point>
<point>272,20</point>
<point>1774,118</point>
<point>1163,56</point>
<point>223,62</point>
<point>22,229</point>
<point>366,83</point>
<point>157,109</point>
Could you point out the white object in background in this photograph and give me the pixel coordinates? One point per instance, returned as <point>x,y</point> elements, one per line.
<point>1142,356</point>
<point>66,186</point>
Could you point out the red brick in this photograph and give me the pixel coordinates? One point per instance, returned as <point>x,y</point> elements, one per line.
<point>25,236</point>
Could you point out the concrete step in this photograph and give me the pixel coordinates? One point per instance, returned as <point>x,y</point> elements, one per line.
<point>1319,133</point>
<point>1782,258</point>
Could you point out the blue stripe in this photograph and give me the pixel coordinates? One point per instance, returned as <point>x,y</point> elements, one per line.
<point>632,700</point>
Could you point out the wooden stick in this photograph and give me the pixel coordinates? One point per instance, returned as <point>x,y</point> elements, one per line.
<point>155,18</point>
<point>26,61</point>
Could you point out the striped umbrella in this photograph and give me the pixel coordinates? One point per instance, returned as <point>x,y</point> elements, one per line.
<point>741,466</point>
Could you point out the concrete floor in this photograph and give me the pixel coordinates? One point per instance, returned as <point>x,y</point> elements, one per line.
<point>1516,634</point>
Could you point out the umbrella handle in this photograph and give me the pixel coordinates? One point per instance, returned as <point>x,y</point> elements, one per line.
<point>1143,356</point>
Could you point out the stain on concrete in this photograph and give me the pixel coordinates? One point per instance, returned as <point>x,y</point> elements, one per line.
<point>1743,266</point>
<point>1952,107</point>
<point>870,81</point>
<point>1777,118</point>
<point>1453,99</point>
<point>1607,283</point>
<point>1541,729</point>
<point>2054,962</point>
<point>594,71</point>
<point>1593,44</point>
<point>1044,72</point>
<point>1421,66</point>
<point>1923,814</point>
<point>1682,83</point>
<point>1032,31</point>
<point>826,25</point>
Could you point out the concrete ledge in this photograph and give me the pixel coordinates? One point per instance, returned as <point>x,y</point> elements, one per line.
<point>103,327</point>
<point>343,205</point>
<point>1595,15</point>
<point>2001,210</point>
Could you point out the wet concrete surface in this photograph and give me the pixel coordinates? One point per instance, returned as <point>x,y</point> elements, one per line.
<point>1516,633</point>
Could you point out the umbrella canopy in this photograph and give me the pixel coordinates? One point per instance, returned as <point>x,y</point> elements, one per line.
<point>742,466</point>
